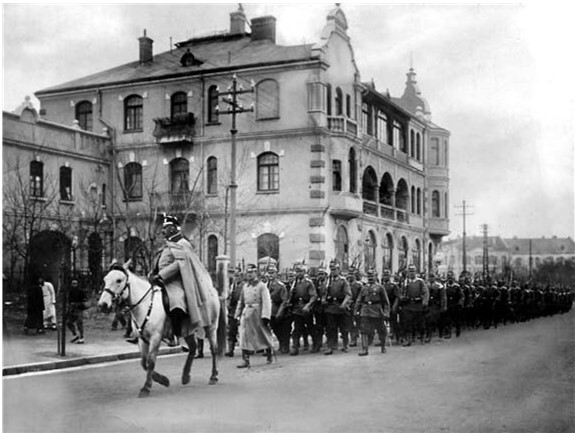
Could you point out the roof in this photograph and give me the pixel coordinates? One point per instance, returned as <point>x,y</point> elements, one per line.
<point>494,243</point>
<point>541,246</point>
<point>218,53</point>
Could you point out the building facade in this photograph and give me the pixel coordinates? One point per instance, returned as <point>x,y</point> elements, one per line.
<point>54,197</point>
<point>327,167</point>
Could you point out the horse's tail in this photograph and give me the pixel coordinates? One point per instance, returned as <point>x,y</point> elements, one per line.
<point>222,325</point>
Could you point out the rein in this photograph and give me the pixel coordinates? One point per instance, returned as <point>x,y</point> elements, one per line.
<point>116,296</point>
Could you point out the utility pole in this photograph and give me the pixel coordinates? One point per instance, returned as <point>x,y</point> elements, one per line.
<point>485,252</point>
<point>235,107</point>
<point>464,213</point>
<point>530,257</point>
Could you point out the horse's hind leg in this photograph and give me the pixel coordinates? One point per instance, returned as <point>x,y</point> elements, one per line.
<point>191,340</point>
<point>211,335</point>
<point>160,378</point>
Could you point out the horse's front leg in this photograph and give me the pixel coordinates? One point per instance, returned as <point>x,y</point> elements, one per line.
<point>191,341</point>
<point>148,364</point>
<point>211,334</point>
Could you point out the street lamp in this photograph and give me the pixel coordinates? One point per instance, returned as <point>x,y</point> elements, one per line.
<point>62,346</point>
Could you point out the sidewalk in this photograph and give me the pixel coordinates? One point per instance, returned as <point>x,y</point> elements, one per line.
<point>23,353</point>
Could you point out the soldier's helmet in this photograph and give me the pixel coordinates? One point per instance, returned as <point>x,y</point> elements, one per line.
<point>170,220</point>
<point>251,268</point>
<point>300,267</point>
<point>386,273</point>
<point>371,273</point>
<point>272,268</point>
<point>431,274</point>
<point>321,270</point>
<point>411,268</point>
<point>334,265</point>
<point>449,274</point>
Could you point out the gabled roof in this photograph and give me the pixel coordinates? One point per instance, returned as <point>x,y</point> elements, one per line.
<point>541,246</point>
<point>218,53</point>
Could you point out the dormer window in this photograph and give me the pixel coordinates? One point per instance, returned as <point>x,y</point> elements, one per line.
<point>188,59</point>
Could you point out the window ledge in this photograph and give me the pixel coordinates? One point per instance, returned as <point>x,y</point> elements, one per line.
<point>67,202</point>
<point>277,191</point>
<point>213,123</point>
<point>132,199</point>
<point>268,118</point>
<point>211,195</point>
<point>133,131</point>
<point>37,198</point>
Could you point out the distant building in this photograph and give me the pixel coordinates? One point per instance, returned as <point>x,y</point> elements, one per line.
<point>505,254</point>
<point>328,167</point>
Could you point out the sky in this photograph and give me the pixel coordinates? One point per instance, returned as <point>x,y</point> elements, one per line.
<point>499,77</point>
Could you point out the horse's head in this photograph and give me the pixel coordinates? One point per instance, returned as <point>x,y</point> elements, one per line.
<point>115,287</point>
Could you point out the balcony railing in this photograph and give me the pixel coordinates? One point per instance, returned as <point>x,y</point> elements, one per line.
<point>369,208</point>
<point>402,216</point>
<point>177,129</point>
<point>342,124</point>
<point>387,212</point>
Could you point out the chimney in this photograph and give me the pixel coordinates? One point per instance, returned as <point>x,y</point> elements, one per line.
<point>238,22</point>
<point>146,51</point>
<point>264,28</point>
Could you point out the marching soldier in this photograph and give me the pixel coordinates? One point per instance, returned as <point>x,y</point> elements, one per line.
<point>318,312</point>
<point>392,291</point>
<point>373,307</point>
<point>413,298</point>
<point>437,306</point>
<point>302,296</point>
<point>455,300</point>
<point>353,278</point>
<point>336,300</point>
<point>232,302</point>
<point>279,295</point>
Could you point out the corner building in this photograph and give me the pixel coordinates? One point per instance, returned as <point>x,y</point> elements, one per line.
<point>327,166</point>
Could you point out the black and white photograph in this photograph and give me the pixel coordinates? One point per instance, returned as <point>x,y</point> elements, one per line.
<point>288,218</point>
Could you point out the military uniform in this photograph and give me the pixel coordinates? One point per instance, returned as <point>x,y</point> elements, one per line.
<point>279,323</point>
<point>455,301</point>
<point>302,297</point>
<point>437,306</point>
<point>392,291</point>
<point>413,300</point>
<point>232,302</point>
<point>353,321</point>
<point>336,301</point>
<point>373,307</point>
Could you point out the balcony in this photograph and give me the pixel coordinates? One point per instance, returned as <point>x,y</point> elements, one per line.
<point>179,129</point>
<point>402,216</point>
<point>341,124</point>
<point>438,226</point>
<point>345,205</point>
<point>369,208</point>
<point>387,212</point>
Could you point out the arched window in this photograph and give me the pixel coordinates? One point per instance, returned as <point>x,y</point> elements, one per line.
<point>388,252</point>
<point>413,197</point>
<point>352,171</point>
<point>348,105</point>
<point>338,102</point>
<point>402,195</point>
<point>418,146</point>
<point>212,254</point>
<point>341,245</point>
<point>66,183</point>
<point>213,116</point>
<point>178,105</point>
<point>268,172</point>
<point>328,97</point>
<point>133,181</point>
<point>418,201</point>
<point>212,175</point>
<point>416,255</point>
<point>268,246</point>
<point>386,190</point>
<point>133,113</point>
<point>369,185</point>
<point>369,250</point>
<point>336,172</point>
<point>435,204</point>
<point>403,254</point>
<point>179,176</point>
<point>84,115</point>
<point>36,179</point>
<point>267,100</point>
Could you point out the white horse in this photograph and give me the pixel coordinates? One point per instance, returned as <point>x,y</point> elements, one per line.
<point>152,322</point>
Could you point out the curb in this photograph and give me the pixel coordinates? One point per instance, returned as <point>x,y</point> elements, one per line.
<point>77,362</point>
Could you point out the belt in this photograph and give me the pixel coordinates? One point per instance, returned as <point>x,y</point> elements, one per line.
<point>252,305</point>
<point>373,302</point>
<point>414,299</point>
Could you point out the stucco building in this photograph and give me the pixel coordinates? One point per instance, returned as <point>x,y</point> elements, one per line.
<point>328,167</point>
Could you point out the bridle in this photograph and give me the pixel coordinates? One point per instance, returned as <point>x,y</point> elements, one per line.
<point>119,298</point>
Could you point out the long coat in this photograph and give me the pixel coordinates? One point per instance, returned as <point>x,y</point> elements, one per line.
<point>254,305</point>
<point>187,281</point>
<point>49,301</point>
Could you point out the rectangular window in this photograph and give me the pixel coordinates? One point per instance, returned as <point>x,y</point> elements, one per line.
<point>336,167</point>
<point>381,127</point>
<point>36,179</point>
<point>348,105</point>
<point>268,172</point>
<point>434,151</point>
<point>367,118</point>
<point>65,183</point>
<point>316,97</point>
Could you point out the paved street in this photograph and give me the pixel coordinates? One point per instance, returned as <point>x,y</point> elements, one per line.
<point>518,378</point>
